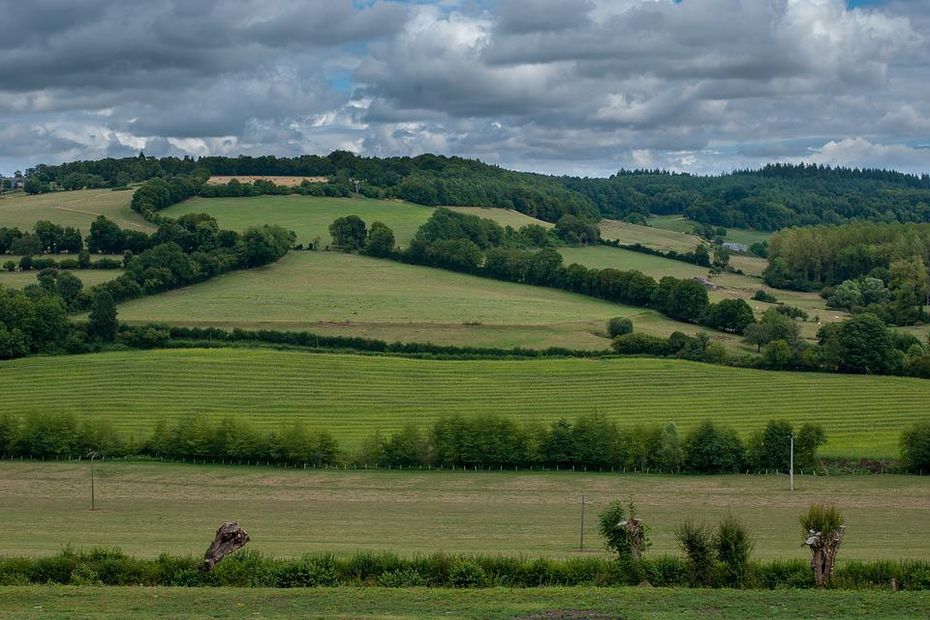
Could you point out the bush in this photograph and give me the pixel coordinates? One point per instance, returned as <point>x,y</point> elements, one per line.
<point>467,574</point>
<point>697,543</point>
<point>733,545</point>
<point>764,296</point>
<point>618,326</point>
<point>915,447</point>
<point>627,544</point>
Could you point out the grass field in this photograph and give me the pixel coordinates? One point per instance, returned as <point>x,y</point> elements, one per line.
<point>354,395</point>
<point>680,224</point>
<point>343,294</point>
<point>731,285</point>
<point>310,216</point>
<point>77,208</point>
<point>148,508</point>
<point>529,604</point>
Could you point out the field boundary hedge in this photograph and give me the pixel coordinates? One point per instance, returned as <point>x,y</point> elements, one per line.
<point>246,569</point>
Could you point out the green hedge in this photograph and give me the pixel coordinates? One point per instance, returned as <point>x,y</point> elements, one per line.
<point>250,569</point>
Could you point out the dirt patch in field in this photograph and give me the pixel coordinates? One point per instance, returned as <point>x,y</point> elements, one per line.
<point>285,181</point>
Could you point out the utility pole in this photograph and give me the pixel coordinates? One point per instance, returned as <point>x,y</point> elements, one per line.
<point>581,541</point>
<point>92,456</point>
<point>791,470</point>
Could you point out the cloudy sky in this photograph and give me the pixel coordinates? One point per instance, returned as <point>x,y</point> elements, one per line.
<point>562,86</point>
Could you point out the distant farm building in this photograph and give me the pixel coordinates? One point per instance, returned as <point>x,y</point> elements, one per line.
<point>735,247</point>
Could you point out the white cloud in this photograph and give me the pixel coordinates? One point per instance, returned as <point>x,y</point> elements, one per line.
<point>550,85</point>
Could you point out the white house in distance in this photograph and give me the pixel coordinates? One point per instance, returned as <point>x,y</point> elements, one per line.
<point>11,183</point>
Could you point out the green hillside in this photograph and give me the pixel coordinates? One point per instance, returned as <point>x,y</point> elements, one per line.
<point>78,208</point>
<point>310,216</point>
<point>334,293</point>
<point>355,395</point>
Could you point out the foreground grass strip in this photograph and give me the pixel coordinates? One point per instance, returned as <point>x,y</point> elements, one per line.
<point>140,603</point>
<point>354,395</point>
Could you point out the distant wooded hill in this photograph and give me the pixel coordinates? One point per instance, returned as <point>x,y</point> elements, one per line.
<point>771,198</point>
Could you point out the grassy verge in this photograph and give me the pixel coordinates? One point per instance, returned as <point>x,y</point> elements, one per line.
<point>141,603</point>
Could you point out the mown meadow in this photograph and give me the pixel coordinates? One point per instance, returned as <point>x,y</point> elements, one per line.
<point>354,395</point>
<point>147,508</point>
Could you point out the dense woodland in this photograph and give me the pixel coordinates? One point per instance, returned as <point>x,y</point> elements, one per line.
<point>774,197</point>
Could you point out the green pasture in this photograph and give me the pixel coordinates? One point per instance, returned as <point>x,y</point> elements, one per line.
<point>310,216</point>
<point>493,603</point>
<point>681,224</point>
<point>344,294</point>
<point>146,508</point>
<point>78,208</point>
<point>354,395</point>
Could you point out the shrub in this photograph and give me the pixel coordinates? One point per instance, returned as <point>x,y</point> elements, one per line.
<point>764,296</point>
<point>618,326</point>
<point>733,545</point>
<point>467,574</point>
<point>623,532</point>
<point>697,543</point>
<point>402,578</point>
<point>915,447</point>
<point>307,572</point>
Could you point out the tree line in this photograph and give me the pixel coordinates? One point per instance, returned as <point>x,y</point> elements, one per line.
<point>479,246</point>
<point>181,252</point>
<point>774,197</point>
<point>484,441</point>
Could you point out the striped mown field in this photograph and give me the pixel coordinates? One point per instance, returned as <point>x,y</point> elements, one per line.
<point>351,295</point>
<point>354,395</point>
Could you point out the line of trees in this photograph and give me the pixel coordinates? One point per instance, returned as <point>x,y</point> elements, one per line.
<point>470,244</point>
<point>483,441</point>
<point>774,197</point>
<point>592,442</point>
<point>188,250</point>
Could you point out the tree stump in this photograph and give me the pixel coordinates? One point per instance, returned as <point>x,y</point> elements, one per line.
<point>229,537</point>
<point>634,531</point>
<point>823,553</point>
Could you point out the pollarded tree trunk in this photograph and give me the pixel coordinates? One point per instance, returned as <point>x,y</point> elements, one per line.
<point>823,554</point>
<point>229,538</point>
<point>634,530</point>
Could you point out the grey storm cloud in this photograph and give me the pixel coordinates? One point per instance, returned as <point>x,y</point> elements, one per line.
<point>564,86</point>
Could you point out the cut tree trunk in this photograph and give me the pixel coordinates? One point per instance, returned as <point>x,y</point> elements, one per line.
<point>229,537</point>
<point>823,554</point>
<point>634,529</point>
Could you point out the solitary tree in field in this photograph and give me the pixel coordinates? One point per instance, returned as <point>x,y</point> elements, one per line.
<point>823,533</point>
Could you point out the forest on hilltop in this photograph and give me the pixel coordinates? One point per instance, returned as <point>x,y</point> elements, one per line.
<point>771,198</point>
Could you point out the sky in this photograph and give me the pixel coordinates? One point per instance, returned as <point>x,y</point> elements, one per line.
<point>581,87</point>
